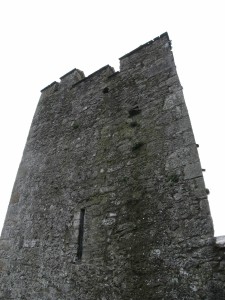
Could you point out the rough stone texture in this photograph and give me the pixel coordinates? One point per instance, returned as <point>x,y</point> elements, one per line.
<point>117,148</point>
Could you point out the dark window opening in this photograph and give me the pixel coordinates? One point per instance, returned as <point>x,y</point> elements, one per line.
<point>134,111</point>
<point>105,90</point>
<point>80,235</point>
<point>134,124</point>
<point>137,146</point>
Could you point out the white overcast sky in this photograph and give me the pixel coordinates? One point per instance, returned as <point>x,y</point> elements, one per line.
<point>44,39</point>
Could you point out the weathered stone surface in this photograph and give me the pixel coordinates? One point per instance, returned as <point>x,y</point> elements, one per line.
<point>220,241</point>
<point>109,202</point>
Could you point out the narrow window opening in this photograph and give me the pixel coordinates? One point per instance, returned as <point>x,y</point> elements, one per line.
<point>80,235</point>
<point>134,111</point>
<point>105,90</point>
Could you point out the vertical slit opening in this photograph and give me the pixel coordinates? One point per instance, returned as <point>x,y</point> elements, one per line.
<point>81,234</point>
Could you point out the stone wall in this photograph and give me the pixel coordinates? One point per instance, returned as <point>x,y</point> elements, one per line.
<point>109,202</point>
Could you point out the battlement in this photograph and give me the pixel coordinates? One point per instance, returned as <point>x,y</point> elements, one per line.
<point>142,53</point>
<point>150,43</point>
<point>53,85</point>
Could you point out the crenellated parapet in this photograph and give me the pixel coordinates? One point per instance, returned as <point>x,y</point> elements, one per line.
<point>139,57</point>
<point>74,77</point>
<point>68,79</point>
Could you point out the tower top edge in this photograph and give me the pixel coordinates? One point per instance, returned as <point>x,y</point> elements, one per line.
<point>82,76</point>
<point>70,72</point>
<point>50,85</point>
<point>165,34</point>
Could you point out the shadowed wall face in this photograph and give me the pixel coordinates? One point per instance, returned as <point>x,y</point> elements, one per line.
<point>109,201</point>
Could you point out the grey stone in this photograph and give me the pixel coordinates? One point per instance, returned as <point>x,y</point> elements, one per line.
<point>109,201</point>
<point>220,241</point>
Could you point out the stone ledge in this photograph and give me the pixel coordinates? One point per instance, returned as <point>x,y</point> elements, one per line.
<point>220,241</point>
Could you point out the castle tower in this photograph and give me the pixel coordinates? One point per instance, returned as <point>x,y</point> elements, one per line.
<point>109,202</point>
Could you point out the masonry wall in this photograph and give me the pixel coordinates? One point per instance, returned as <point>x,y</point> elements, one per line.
<point>109,202</point>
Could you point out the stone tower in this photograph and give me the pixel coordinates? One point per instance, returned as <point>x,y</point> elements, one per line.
<point>109,202</point>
